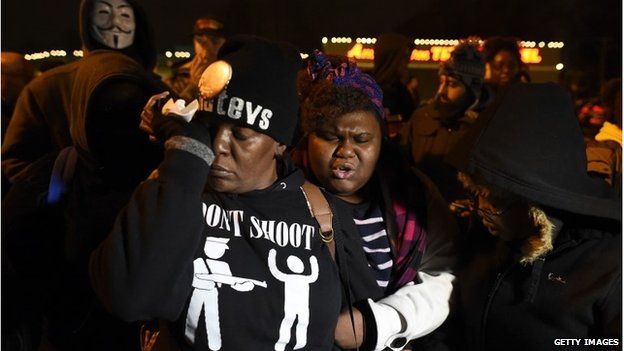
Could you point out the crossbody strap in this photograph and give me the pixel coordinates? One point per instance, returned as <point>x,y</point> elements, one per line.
<point>320,210</point>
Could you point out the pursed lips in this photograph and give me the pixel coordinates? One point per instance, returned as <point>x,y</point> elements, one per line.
<point>344,170</point>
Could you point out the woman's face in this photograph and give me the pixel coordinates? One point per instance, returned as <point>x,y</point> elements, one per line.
<point>343,154</point>
<point>244,159</point>
<point>506,216</point>
<point>505,68</point>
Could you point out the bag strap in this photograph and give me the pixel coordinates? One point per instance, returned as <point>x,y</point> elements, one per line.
<point>320,210</point>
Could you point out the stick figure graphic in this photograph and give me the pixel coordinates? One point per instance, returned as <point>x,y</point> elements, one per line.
<point>209,276</point>
<point>296,298</point>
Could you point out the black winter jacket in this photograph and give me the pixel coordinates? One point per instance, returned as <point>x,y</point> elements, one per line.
<point>573,292</point>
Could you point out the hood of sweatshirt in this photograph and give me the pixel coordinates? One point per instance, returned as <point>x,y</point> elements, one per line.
<point>529,142</point>
<point>108,95</point>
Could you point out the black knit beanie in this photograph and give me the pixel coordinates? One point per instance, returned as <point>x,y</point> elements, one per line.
<point>466,64</point>
<point>261,92</point>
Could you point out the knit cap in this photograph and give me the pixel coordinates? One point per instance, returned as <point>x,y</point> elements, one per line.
<point>467,65</point>
<point>253,84</point>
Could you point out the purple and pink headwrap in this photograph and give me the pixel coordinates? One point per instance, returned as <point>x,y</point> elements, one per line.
<point>347,74</point>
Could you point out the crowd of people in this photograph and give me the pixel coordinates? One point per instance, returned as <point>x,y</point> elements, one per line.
<point>255,200</point>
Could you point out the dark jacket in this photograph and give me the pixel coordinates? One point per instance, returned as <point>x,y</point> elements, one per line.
<point>39,124</point>
<point>428,140</point>
<point>572,292</point>
<point>157,260</point>
<point>391,51</point>
<point>49,243</point>
<point>524,295</point>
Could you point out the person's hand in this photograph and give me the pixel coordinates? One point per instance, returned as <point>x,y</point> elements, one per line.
<point>162,127</point>
<point>343,335</point>
<point>462,208</point>
<point>147,115</point>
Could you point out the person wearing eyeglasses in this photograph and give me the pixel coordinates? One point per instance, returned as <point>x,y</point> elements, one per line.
<point>552,269</point>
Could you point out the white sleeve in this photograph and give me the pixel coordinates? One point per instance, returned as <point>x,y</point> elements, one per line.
<point>413,311</point>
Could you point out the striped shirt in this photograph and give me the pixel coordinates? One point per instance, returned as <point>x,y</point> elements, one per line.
<point>372,230</point>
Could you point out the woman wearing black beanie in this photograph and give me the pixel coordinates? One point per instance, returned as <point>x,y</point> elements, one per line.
<point>220,241</point>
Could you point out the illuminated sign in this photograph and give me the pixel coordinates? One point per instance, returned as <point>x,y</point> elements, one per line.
<point>530,55</point>
<point>359,52</point>
<point>434,54</point>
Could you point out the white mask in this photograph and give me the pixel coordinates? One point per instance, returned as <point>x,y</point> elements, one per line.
<point>113,23</point>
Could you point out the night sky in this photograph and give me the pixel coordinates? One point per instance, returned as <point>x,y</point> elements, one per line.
<point>591,29</point>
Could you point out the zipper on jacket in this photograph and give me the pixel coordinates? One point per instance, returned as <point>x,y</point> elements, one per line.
<point>486,309</point>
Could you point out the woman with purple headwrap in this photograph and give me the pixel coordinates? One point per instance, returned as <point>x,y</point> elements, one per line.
<point>406,231</point>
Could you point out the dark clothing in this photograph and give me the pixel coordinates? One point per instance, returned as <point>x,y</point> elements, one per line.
<point>551,166</point>
<point>421,229</point>
<point>7,112</point>
<point>421,233</point>
<point>573,292</point>
<point>142,272</point>
<point>524,293</point>
<point>429,139</point>
<point>40,121</point>
<point>398,99</point>
<point>48,247</point>
<point>392,53</point>
<point>39,124</point>
<point>48,243</point>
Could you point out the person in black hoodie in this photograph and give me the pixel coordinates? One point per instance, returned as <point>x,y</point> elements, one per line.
<point>67,202</point>
<point>40,121</point>
<point>554,267</point>
<point>222,244</point>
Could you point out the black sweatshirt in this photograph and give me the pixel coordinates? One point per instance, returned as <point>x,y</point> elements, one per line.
<point>192,258</point>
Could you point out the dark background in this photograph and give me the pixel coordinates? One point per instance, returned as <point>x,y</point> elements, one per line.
<point>591,29</point>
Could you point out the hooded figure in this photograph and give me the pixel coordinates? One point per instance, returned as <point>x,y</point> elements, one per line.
<point>554,269</point>
<point>392,55</point>
<point>40,121</point>
<point>49,241</point>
